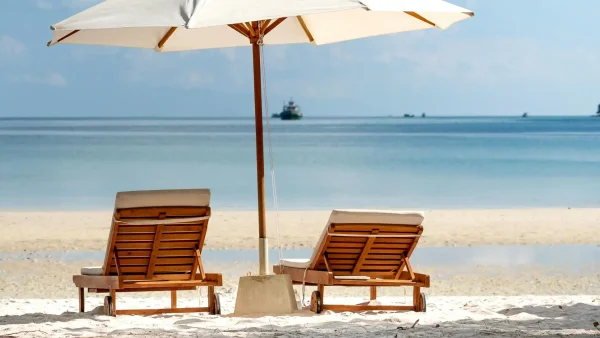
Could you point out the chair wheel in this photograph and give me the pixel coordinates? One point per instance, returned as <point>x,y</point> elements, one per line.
<point>108,306</point>
<point>423,303</point>
<point>316,302</point>
<point>216,306</point>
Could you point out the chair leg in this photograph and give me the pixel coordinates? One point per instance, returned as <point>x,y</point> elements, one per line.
<point>81,300</point>
<point>173,299</point>
<point>373,292</point>
<point>417,299</point>
<point>211,300</point>
<point>113,296</point>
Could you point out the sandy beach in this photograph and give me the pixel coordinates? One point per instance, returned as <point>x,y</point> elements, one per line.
<point>60,231</point>
<point>511,296</point>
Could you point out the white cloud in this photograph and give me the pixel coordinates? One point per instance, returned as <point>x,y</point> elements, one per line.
<point>44,5</point>
<point>11,46</point>
<point>53,80</point>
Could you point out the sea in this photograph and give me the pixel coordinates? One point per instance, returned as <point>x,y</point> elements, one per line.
<point>318,163</point>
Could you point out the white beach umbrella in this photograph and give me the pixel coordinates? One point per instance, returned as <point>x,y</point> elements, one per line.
<point>179,25</point>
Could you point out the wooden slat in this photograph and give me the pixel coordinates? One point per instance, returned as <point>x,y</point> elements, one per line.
<point>365,252</point>
<point>134,238</point>
<point>384,257</point>
<point>174,283</point>
<point>124,246</point>
<point>134,253</point>
<point>172,268</point>
<point>381,240</point>
<point>181,236</point>
<point>169,228</point>
<point>154,255</point>
<point>378,274</point>
<point>388,251</point>
<point>383,228</point>
<point>178,245</point>
<point>176,252</point>
<point>345,245</point>
<point>391,246</point>
<point>124,229</point>
<point>348,239</point>
<point>175,261</point>
<point>393,263</point>
<point>379,268</point>
<point>342,256</point>
<point>168,211</point>
<point>344,251</point>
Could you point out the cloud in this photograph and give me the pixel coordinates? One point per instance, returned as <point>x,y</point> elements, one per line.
<point>53,80</point>
<point>11,46</point>
<point>44,5</point>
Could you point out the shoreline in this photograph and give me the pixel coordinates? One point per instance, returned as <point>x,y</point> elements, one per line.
<point>88,231</point>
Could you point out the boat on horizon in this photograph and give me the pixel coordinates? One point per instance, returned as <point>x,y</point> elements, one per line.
<point>291,111</point>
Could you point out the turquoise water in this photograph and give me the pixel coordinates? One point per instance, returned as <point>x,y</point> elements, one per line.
<point>478,162</point>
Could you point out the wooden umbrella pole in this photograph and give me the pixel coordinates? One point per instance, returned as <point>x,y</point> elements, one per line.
<point>263,257</point>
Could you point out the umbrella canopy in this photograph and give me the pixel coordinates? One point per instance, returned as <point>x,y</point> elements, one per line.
<point>179,25</point>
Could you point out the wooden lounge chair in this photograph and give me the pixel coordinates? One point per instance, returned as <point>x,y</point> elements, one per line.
<point>362,248</point>
<point>155,244</point>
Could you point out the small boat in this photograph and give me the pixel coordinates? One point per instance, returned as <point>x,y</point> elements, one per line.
<point>423,115</point>
<point>291,111</point>
<point>598,112</point>
<point>524,115</point>
<point>275,116</point>
<point>409,115</point>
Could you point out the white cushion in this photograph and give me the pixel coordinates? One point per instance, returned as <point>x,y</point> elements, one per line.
<point>163,198</point>
<point>349,216</point>
<point>296,263</point>
<point>92,271</point>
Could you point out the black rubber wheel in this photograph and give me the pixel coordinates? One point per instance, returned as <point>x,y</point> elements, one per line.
<point>217,304</point>
<point>423,303</point>
<point>316,302</point>
<point>108,310</point>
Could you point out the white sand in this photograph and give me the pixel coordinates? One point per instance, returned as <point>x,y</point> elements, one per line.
<point>38,299</point>
<point>524,316</point>
<point>58,231</point>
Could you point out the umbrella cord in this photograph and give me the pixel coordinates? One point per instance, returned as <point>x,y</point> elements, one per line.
<point>271,161</point>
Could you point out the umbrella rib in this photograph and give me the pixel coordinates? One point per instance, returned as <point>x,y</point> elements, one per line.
<point>264,26</point>
<point>273,25</point>
<point>238,29</point>
<point>250,29</point>
<point>419,17</point>
<point>166,38</point>
<point>306,31</point>
<point>63,38</point>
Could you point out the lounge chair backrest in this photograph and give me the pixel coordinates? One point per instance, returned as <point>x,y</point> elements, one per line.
<point>158,235</point>
<point>367,243</point>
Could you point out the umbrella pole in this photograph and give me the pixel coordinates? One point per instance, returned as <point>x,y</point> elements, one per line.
<point>263,246</point>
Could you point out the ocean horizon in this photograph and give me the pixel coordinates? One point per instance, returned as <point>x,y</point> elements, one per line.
<point>460,162</point>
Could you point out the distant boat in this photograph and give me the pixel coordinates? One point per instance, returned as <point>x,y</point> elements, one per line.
<point>598,112</point>
<point>275,116</point>
<point>524,115</point>
<point>409,115</point>
<point>423,115</point>
<point>291,111</point>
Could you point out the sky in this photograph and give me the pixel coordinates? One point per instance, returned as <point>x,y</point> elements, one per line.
<point>541,57</point>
